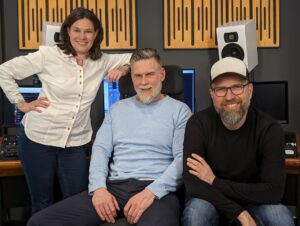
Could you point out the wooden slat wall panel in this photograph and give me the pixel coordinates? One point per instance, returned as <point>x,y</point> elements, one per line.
<point>193,23</point>
<point>118,19</point>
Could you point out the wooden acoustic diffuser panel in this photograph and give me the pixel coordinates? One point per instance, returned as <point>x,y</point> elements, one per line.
<point>193,23</point>
<point>118,19</point>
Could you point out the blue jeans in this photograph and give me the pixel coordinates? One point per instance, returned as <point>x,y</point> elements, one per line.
<point>41,163</point>
<point>199,212</point>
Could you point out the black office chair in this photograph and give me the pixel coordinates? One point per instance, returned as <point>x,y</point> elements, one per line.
<point>173,86</point>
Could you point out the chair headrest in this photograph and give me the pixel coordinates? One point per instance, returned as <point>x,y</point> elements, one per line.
<point>172,85</point>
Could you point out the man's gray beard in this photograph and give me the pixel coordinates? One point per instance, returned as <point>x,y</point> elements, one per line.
<point>149,99</point>
<point>146,99</point>
<point>233,118</point>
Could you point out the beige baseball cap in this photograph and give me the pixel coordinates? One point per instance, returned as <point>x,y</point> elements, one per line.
<point>227,65</point>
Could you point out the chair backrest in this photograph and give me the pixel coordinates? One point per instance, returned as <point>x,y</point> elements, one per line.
<point>173,85</point>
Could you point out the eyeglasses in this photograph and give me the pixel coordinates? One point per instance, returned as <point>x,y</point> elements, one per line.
<point>235,90</point>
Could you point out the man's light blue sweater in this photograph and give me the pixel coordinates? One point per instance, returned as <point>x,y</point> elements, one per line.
<point>146,142</point>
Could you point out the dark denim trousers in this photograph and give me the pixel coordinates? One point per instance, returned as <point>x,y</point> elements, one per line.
<point>41,163</point>
<point>78,210</point>
<point>199,212</point>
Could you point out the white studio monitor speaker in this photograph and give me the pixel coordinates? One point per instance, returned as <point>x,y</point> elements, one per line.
<point>238,39</point>
<point>50,33</point>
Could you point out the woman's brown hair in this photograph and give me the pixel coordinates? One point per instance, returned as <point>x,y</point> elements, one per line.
<point>77,14</point>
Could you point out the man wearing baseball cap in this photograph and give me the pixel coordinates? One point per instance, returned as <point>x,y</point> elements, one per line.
<point>234,157</point>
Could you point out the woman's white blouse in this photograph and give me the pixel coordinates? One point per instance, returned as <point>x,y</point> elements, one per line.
<point>70,90</point>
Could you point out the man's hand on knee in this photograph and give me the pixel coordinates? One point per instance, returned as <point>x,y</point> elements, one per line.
<point>105,204</point>
<point>137,204</point>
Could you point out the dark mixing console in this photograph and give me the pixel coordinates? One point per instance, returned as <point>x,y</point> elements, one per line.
<point>8,147</point>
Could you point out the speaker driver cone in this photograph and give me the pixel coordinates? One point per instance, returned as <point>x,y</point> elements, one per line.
<point>233,50</point>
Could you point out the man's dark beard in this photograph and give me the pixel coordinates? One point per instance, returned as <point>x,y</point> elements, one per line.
<point>233,118</point>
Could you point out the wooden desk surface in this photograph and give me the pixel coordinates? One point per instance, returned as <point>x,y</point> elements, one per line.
<point>10,168</point>
<point>14,167</point>
<point>292,165</point>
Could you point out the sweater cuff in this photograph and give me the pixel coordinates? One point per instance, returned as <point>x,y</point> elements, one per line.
<point>94,186</point>
<point>157,189</point>
<point>215,182</point>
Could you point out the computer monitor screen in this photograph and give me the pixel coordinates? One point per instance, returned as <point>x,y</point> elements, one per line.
<point>112,94</point>
<point>272,98</point>
<point>11,114</point>
<point>189,88</point>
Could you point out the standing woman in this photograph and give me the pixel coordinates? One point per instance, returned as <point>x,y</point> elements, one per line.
<point>56,128</point>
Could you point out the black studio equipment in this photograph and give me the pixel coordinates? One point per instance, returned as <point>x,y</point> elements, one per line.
<point>8,147</point>
<point>238,39</point>
<point>263,98</point>
<point>290,145</point>
<point>272,98</point>
<point>36,81</point>
<point>12,118</point>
